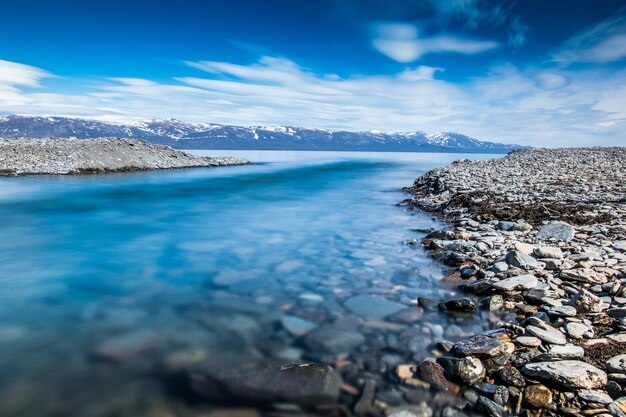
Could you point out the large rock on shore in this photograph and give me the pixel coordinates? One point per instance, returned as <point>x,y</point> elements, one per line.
<point>90,156</point>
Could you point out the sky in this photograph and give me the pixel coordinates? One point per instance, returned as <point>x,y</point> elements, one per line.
<point>531,72</point>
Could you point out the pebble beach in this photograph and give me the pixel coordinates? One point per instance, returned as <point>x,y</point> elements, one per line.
<point>538,238</point>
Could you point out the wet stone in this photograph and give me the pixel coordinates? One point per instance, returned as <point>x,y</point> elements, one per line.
<point>297,326</point>
<point>463,305</point>
<point>407,316</point>
<point>480,346</point>
<point>127,345</point>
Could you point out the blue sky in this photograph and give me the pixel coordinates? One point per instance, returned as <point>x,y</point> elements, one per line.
<point>549,73</point>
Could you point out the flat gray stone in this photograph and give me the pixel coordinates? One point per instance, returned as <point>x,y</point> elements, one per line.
<point>529,341</point>
<point>595,396</point>
<point>521,260</point>
<point>548,334</point>
<point>556,230</point>
<point>518,283</point>
<point>562,352</point>
<point>569,374</point>
<point>576,330</point>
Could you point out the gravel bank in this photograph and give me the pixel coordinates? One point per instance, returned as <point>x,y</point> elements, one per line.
<point>57,156</point>
<point>538,238</point>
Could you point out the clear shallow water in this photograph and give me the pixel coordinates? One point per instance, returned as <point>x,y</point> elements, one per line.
<point>110,282</point>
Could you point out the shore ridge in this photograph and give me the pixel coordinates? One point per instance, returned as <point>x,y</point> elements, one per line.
<point>538,238</point>
<point>59,156</point>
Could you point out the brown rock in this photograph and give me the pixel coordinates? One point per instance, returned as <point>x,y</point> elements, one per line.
<point>538,396</point>
<point>433,373</point>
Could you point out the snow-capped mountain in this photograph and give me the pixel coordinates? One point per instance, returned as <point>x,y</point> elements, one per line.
<point>214,136</point>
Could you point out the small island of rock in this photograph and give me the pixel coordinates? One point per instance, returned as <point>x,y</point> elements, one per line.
<point>57,156</point>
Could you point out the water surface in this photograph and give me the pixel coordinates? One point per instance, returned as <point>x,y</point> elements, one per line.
<point>110,282</point>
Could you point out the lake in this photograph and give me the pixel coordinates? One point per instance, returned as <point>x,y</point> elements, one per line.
<point>114,285</point>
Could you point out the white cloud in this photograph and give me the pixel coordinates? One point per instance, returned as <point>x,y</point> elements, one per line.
<point>602,43</point>
<point>551,80</point>
<point>15,74</point>
<point>529,106</point>
<point>402,42</point>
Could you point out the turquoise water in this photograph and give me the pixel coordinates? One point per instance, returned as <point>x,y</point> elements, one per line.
<point>109,282</point>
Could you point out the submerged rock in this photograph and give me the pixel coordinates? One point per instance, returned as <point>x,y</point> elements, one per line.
<point>333,339</point>
<point>372,307</point>
<point>127,345</point>
<point>265,381</point>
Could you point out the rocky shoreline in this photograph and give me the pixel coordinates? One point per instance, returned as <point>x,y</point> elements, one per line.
<point>538,238</point>
<point>57,156</point>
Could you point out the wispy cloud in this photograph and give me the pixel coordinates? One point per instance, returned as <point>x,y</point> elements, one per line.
<point>530,106</point>
<point>403,43</point>
<point>602,43</point>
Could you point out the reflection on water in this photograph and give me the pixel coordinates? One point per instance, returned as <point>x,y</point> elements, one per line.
<point>113,285</point>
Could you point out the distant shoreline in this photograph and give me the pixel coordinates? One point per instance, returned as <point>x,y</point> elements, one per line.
<point>57,156</point>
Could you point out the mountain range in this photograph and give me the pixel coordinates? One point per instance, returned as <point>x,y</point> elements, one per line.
<point>183,135</point>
